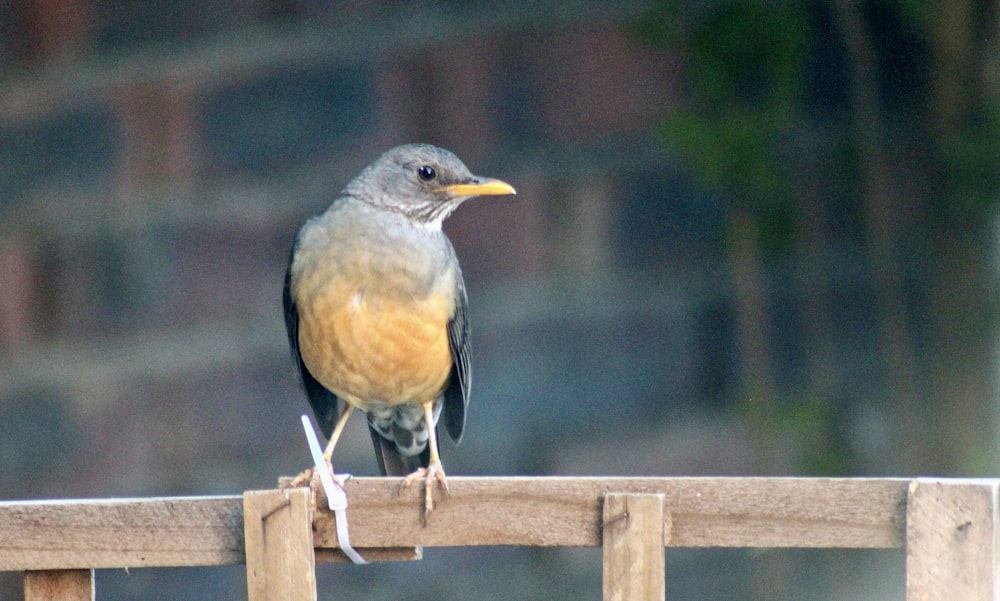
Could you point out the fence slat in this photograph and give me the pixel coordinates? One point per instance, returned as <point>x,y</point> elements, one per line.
<point>280,560</point>
<point>121,533</point>
<point>705,512</point>
<point>952,540</point>
<point>951,527</point>
<point>634,556</point>
<point>59,585</point>
<point>371,555</point>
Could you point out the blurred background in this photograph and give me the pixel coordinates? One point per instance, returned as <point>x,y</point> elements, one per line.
<point>750,238</point>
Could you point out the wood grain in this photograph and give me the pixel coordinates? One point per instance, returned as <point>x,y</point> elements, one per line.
<point>634,566</point>
<point>121,533</point>
<point>59,585</point>
<point>952,541</point>
<point>706,512</point>
<point>280,560</point>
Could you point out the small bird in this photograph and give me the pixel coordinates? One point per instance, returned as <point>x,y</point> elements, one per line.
<point>375,309</point>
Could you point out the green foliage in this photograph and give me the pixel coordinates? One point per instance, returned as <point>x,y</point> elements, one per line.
<point>745,73</point>
<point>747,56</point>
<point>809,431</point>
<point>744,79</point>
<point>970,167</point>
<point>897,144</point>
<point>744,83</point>
<point>729,150</point>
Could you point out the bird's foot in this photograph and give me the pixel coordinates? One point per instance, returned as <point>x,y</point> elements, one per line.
<point>304,478</point>
<point>434,472</point>
<point>307,478</point>
<point>310,477</point>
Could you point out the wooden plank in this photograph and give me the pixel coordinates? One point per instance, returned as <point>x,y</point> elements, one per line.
<point>952,540</point>
<point>706,512</point>
<point>634,556</point>
<point>59,585</point>
<point>371,554</point>
<point>121,533</point>
<point>205,531</point>
<point>279,546</point>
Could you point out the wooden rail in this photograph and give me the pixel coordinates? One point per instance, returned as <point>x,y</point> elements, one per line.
<point>948,528</point>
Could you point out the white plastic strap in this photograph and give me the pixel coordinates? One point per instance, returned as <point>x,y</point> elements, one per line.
<point>335,493</point>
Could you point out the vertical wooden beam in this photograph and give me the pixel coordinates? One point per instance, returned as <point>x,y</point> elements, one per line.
<point>59,585</point>
<point>19,278</point>
<point>952,540</point>
<point>634,541</point>
<point>277,526</point>
<point>55,30</point>
<point>159,141</point>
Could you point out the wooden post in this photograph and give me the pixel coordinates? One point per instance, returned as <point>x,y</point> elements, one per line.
<point>279,545</point>
<point>634,541</point>
<point>952,540</point>
<point>59,585</point>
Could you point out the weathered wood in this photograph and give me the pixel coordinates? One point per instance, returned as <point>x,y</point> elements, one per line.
<point>371,554</point>
<point>951,527</point>
<point>59,585</point>
<point>634,556</point>
<point>952,540</point>
<point>280,560</point>
<point>121,533</point>
<point>706,512</point>
<point>205,531</point>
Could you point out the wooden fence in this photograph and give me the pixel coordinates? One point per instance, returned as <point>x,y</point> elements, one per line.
<point>949,529</point>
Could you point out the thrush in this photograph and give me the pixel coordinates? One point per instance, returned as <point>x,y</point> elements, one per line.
<point>375,309</point>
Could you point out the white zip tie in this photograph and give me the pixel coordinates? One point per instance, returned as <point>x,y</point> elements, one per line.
<point>335,494</point>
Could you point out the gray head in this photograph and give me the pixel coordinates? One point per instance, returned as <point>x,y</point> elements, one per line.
<point>423,182</point>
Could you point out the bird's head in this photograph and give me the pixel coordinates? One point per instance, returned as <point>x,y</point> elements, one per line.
<point>423,182</point>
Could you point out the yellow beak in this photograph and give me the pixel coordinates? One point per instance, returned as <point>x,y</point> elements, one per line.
<point>480,186</point>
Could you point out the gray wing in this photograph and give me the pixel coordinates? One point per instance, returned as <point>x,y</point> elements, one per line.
<point>325,404</point>
<point>456,394</point>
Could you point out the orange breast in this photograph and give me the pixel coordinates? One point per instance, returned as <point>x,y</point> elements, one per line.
<point>365,344</point>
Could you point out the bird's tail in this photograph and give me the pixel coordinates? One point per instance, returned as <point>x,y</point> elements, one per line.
<point>393,463</point>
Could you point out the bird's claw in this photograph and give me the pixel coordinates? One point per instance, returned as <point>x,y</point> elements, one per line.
<point>310,477</point>
<point>304,478</point>
<point>430,474</point>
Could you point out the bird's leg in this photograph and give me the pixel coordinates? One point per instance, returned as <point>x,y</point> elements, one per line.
<point>434,470</point>
<point>308,475</point>
<point>337,431</point>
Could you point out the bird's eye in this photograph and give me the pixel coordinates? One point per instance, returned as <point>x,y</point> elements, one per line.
<point>426,173</point>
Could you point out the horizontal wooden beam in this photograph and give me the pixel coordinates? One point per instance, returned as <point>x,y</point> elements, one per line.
<point>121,533</point>
<point>546,511</point>
<point>566,512</point>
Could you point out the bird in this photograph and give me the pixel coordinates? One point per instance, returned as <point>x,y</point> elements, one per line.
<point>376,309</point>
